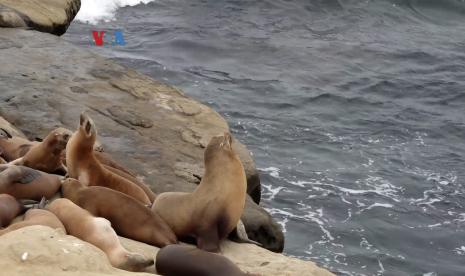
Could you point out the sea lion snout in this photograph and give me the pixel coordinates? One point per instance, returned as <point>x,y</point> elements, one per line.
<point>82,118</point>
<point>66,137</point>
<point>87,126</point>
<point>227,142</point>
<point>68,185</point>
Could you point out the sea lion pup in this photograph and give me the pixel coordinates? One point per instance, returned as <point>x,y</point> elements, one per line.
<point>97,231</point>
<point>26,183</point>
<point>213,210</point>
<point>47,156</point>
<point>10,208</point>
<point>128,217</point>
<point>36,217</point>
<point>12,148</point>
<point>84,166</point>
<point>181,260</point>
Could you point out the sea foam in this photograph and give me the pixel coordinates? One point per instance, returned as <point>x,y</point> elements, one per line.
<point>93,11</point>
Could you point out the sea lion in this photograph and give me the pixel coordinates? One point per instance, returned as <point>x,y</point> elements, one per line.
<point>2,161</point>
<point>10,208</point>
<point>123,211</point>
<point>97,231</point>
<point>36,217</point>
<point>84,166</point>
<point>13,147</point>
<point>26,183</point>
<point>181,260</point>
<point>47,156</point>
<point>212,211</point>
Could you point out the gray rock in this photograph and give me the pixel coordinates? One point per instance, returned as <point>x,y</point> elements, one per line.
<point>51,16</point>
<point>150,127</point>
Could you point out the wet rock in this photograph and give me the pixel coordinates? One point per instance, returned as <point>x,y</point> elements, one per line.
<point>150,127</point>
<point>51,16</point>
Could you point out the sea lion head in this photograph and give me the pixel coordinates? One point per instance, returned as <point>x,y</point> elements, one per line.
<point>57,140</point>
<point>69,185</point>
<point>220,146</point>
<point>86,130</point>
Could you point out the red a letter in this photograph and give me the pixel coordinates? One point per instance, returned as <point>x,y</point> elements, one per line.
<point>98,37</point>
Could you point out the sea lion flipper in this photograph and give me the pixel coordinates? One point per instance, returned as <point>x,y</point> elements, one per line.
<point>43,202</point>
<point>32,204</point>
<point>17,162</point>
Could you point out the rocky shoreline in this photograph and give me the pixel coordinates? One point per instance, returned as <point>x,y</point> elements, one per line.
<point>40,250</point>
<point>150,127</point>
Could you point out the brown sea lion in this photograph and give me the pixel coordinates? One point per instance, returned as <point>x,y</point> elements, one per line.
<point>181,260</point>
<point>13,147</point>
<point>47,156</point>
<point>97,231</point>
<point>10,208</point>
<point>213,210</point>
<point>84,166</point>
<point>128,217</point>
<point>114,167</point>
<point>26,183</point>
<point>36,217</point>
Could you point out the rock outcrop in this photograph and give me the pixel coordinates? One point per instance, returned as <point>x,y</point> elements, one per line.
<point>51,16</point>
<point>40,250</point>
<point>150,127</point>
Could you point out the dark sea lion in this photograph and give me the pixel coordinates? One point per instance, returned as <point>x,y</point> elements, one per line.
<point>97,231</point>
<point>36,217</point>
<point>181,260</point>
<point>84,166</point>
<point>47,156</point>
<point>213,210</point>
<point>128,217</point>
<point>26,183</point>
<point>10,208</point>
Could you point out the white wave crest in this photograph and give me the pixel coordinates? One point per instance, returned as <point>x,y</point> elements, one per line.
<point>93,11</point>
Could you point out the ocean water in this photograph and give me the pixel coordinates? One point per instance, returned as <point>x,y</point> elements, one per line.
<point>354,112</point>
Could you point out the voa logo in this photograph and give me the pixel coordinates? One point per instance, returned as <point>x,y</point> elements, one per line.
<point>102,38</point>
